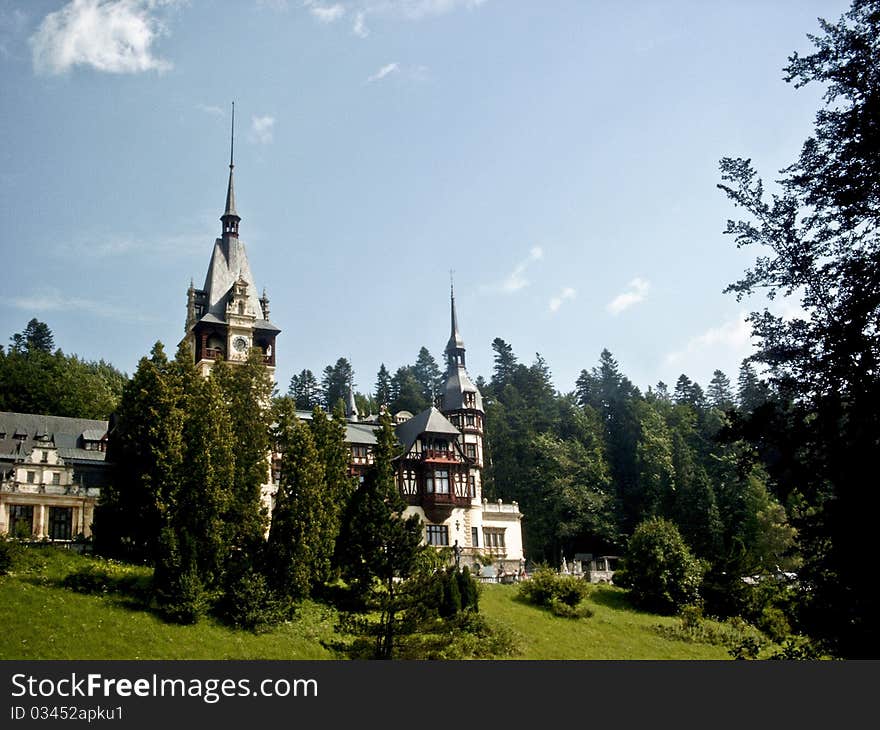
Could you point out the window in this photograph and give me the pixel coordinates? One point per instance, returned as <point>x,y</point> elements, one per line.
<point>56,477</point>
<point>60,522</point>
<point>493,537</point>
<point>437,534</point>
<point>359,452</point>
<point>469,419</point>
<point>472,487</point>
<point>441,481</point>
<point>470,450</point>
<point>44,458</point>
<point>475,537</point>
<point>21,520</point>
<point>31,477</point>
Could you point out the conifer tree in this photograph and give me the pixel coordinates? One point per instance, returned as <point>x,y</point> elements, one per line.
<point>719,392</point>
<point>194,541</point>
<point>297,552</point>
<point>247,392</point>
<point>305,390</point>
<point>383,386</point>
<point>378,547</point>
<point>428,374</point>
<point>146,453</point>
<point>329,434</point>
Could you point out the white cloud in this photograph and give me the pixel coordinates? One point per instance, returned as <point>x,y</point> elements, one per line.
<point>516,280</point>
<point>325,13</point>
<point>52,300</point>
<point>115,36</point>
<point>360,25</point>
<point>262,129</point>
<point>361,10</point>
<point>383,72</point>
<point>731,337</point>
<point>210,109</point>
<point>418,9</point>
<point>566,293</point>
<point>635,293</point>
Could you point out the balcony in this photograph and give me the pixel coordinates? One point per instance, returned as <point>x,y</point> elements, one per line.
<point>212,353</point>
<point>447,456</point>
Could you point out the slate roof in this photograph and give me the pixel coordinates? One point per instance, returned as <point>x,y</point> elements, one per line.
<point>66,434</point>
<point>429,420</point>
<point>458,382</point>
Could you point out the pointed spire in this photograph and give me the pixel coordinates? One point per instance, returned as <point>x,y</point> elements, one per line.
<point>455,346</point>
<point>230,217</point>
<point>351,411</point>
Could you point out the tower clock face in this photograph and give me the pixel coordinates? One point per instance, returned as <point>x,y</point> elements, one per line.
<point>240,344</point>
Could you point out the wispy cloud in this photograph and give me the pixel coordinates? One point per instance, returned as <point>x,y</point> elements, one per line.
<point>516,279</point>
<point>360,25</point>
<point>361,10</point>
<point>636,292</point>
<point>12,29</point>
<point>114,36</point>
<point>566,293</point>
<point>415,9</point>
<point>383,72</point>
<point>215,111</point>
<point>325,13</point>
<point>733,336</point>
<point>52,300</point>
<point>262,129</point>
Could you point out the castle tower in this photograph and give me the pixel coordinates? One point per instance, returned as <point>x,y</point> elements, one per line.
<point>461,402</point>
<point>226,318</point>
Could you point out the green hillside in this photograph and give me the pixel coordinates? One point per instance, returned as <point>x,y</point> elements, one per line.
<point>43,618</point>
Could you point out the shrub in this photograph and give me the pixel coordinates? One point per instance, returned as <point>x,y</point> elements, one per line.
<point>565,610</point>
<point>662,572</point>
<point>9,551</point>
<point>562,594</point>
<point>251,604</point>
<point>185,600</point>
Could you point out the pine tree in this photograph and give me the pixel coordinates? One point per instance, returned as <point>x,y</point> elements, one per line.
<point>195,539</point>
<point>305,390</point>
<point>335,382</point>
<point>752,392</point>
<point>428,375</point>
<point>505,364</point>
<point>406,392</point>
<point>383,386</point>
<point>247,392</point>
<point>378,548</point>
<point>146,453</point>
<point>329,435</point>
<point>297,547</point>
<point>719,393</point>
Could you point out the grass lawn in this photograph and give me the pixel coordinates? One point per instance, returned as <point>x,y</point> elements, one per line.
<point>42,619</point>
<point>614,631</point>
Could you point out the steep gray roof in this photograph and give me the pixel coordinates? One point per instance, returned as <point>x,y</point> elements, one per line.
<point>429,420</point>
<point>458,382</point>
<point>66,434</point>
<point>229,262</point>
<point>361,434</point>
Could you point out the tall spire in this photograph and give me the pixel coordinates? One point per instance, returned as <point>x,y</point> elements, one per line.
<point>230,217</point>
<point>455,346</point>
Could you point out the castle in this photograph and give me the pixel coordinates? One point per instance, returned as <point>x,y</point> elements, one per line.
<point>54,467</point>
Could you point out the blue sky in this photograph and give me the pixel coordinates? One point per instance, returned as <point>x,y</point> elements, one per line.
<point>561,157</point>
